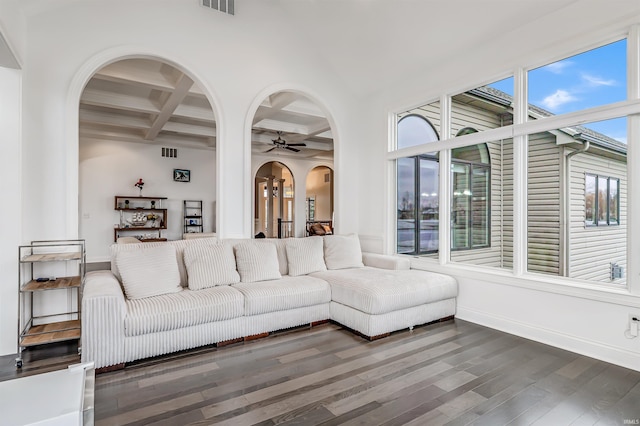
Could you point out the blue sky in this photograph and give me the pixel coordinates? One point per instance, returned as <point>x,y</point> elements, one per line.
<point>590,79</point>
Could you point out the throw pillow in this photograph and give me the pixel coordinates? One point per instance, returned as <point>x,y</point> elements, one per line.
<point>342,251</point>
<point>149,271</point>
<point>209,266</point>
<point>305,255</point>
<point>257,262</point>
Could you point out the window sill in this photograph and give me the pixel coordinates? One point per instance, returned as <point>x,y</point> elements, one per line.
<point>557,285</point>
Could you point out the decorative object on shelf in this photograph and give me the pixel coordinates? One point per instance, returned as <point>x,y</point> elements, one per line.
<point>181,175</point>
<point>126,204</point>
<point>138,219</point>
<point>153,217</point>
<point>153,204</point>
<point>139,184</point>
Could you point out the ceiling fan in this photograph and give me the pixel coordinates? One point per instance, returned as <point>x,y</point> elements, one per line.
<point>281,143</point>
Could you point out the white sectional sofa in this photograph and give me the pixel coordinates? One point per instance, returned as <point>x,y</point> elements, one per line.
<point>160,297</point>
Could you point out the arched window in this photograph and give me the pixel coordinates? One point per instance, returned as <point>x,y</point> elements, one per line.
<point>470,203</point>
<point>417,189</point>
<point>418,186</point>
<point>415,130</point>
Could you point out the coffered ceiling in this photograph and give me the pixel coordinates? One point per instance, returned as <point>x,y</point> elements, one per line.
<point>150,102</point>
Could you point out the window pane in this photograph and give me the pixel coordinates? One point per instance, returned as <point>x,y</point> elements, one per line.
<point>486,107</point>
<point>429,204</point>
<point>418,126</point>
<point>488,240</point>
<point>573,236</point>
<point>460,206</point>
<point>614,185</point>
<point>590,199</point>
<point>406,206</point>
<point>590,79</point>
<point>480,212</point>
<point>602,201</point>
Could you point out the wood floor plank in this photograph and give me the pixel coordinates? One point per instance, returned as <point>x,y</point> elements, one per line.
<point>450,373</point>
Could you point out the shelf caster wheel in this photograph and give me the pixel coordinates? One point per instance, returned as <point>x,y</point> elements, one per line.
<point>18,362</point>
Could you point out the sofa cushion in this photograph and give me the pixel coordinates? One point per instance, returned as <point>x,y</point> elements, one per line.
<point>305,255</point>
<point>150,271</point>
<point>179,246</point>
<point>342,251</point>
<point>378,291</point>
<point>280,245</point>
<point>257,262</point>
<point>286,293</point>
<point>208,266</point>
<point>184,309</point>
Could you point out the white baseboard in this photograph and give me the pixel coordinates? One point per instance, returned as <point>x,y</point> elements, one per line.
<point>568,342</point>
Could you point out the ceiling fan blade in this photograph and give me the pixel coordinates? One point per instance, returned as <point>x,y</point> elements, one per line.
<point>292,149</point>
<point>297,144</point>
<point>269,150</point>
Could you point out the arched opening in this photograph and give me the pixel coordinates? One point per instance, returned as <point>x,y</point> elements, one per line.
<point>471,202</point>
<point>418,197</point>
<point>319,201</point>
<point>142,118</point>
<point>288,128</point>
<point>274,207</point>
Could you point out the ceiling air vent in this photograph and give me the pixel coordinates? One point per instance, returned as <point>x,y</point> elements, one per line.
<point>170,152</point>
<point>224,6</point>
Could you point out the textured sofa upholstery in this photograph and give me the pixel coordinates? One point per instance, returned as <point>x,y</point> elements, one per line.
<point>382,296</point>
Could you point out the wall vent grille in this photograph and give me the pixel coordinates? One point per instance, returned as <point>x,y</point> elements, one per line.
<point>170,152</point>
<point>224,6</point>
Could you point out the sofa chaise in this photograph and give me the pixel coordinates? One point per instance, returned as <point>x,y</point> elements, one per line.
<point>163,297</point>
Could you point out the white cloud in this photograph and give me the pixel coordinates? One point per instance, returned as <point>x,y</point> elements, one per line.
<point>557,99</point>
<point>593,80</point>
<point>558,67</point>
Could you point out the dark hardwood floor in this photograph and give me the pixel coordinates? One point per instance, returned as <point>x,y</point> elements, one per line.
<point>450,373</point>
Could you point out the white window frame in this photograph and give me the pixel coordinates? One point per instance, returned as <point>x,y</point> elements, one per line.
<point>519,131</point>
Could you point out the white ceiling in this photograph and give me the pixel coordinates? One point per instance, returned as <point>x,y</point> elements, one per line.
<point>371,45</point>
<point>146,101</point>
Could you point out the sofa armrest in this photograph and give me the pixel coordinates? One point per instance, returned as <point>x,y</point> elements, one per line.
<point>383,261</point>
<point>103,313</point>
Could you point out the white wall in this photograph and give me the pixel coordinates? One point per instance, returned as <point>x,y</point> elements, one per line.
<point>237,60</point>
<point>11,210</point>
<point>110,168</point>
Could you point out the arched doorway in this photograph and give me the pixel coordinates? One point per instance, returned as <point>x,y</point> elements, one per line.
<point>143,118</point>
<point>293,129</point>
<point>319,197</point>
<point>274,206</point>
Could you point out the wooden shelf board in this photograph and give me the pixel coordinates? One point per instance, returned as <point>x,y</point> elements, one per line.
<point>51,332</point>
<point>135,197</point>
<point>137,209</point>
<point>59,283</point>
<point>51,257</point>
<point>139,228</point>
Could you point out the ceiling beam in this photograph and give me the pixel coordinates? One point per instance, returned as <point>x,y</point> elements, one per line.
<point>118,101</point>
<point>175,98</point>
<point>276,103</point>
